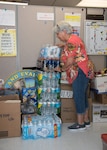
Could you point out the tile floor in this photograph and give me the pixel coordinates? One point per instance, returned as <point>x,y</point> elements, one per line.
<point>84,140</point>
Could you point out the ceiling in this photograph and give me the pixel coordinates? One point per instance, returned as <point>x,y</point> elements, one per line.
<point>63,3</point>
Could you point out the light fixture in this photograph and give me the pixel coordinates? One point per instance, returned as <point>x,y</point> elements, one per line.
<point>13,3</point>
<point>93,3</point>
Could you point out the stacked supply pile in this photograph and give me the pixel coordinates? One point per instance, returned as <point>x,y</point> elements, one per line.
<point>24,83</point>
<point>48,80</point>
<point>46,124</point>
<point>48,92</point>
<point>49,58</point>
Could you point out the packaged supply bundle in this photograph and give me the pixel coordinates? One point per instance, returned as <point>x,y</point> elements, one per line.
<point>36,127</point>
<point>50,52</point>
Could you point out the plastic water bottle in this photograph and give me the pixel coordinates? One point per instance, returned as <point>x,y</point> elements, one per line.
<point>45,129</point>
<point>57,86</point>
<point>46,51</point>
<point>58,104</point>
<point>50,128</point>
<point>58,75</point>
<point>43,109</point>
<point>44,88</point>
<point>25,130</point>
<point>45,75</point>
<point>58,64</point>
<point>53,85</point>
<point>49,75</point>
<point>30,129</point>
<point>35,136</point>
<point>48,85</point>
<point>53,76</point>
<point>39,128</point>
<point>45,65</point>
<point>58,128</point>
<point>50,65</point>
<point>57,52</point>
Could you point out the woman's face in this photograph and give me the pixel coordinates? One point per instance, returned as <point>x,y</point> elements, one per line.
<point>61,36</point>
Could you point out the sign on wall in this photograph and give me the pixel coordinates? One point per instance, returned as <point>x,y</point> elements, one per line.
<point>7,17</point>
<point>7,42</point>
<point>96,37</point>
<point>75,20</point>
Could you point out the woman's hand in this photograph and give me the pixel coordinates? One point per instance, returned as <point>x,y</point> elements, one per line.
<point>68,63</point>
<point>60,45</point>
<point>58,69</point>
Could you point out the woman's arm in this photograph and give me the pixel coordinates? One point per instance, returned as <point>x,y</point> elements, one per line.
<point>68,63</point>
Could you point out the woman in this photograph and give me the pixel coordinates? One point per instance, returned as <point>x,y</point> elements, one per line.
<point>79,70</point>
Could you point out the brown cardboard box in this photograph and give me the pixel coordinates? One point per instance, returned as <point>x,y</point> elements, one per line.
<point>68,111</point>
<point>100,98</point>
<point>90,108</point>
<point>66,86</point>
<point>10,116</point>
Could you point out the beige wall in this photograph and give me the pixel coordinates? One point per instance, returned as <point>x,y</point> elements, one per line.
<point>32,34</point>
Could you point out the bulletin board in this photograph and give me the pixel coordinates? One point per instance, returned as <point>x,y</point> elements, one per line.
<point>96,37</point>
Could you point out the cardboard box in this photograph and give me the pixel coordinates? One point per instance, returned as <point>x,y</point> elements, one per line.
<point>68,111</point>
<point>99,112</point>
<point>67,87</point>
<point>10,116</point>
<point>90,108</point>
<point>100,98</point>
<point>99,84</point>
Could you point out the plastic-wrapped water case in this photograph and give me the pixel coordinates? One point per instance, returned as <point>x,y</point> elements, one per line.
<point>36,127</point>
<point>48,52</point>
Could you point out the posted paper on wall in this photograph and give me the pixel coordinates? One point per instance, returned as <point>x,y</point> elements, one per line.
<point>96,37</point>
<point>74,19</point>
<point>7,42</point>
<point>7,17</point>
<point>45,16</point>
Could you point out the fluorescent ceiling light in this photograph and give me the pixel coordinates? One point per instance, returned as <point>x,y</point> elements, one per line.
<point>93,3</point>
<point>13,3</point>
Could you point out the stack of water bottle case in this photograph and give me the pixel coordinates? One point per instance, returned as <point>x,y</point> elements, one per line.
<point>47,123</point>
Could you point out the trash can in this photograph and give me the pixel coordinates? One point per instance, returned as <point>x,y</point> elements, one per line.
<point>104,141</point>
